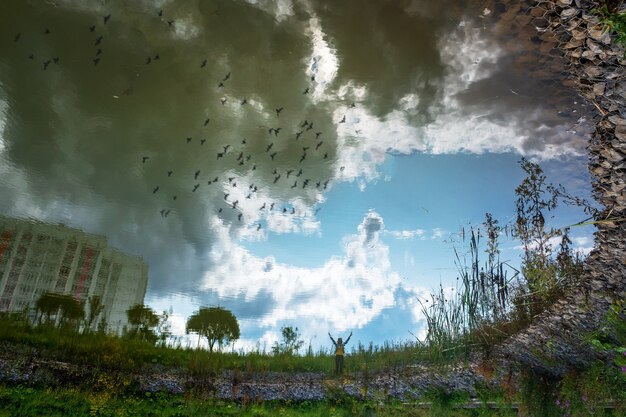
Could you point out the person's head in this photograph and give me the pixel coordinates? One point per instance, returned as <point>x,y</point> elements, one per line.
<point>340,340</point>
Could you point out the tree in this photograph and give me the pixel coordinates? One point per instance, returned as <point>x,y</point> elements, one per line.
<point>65,309</point>
<point>291,342</point>
<point>536,197</point>
<point>216,324</point>
<point>143,321</point>
<point>47,305</point>
<point>163,329</point>
<point>95,308</point>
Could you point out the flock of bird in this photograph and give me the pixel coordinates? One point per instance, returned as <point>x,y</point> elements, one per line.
<point>239,157</point>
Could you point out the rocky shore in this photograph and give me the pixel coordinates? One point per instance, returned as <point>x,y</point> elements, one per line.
<point>552,344</point>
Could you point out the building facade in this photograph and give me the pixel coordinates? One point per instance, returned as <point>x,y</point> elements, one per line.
<point>36,258</point>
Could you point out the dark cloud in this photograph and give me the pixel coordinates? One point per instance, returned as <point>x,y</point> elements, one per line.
<point>372,224</point>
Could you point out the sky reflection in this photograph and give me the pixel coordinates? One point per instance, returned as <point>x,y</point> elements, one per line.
<point>305,163</point>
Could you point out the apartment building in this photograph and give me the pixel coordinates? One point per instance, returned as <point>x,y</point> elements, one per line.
<point>36,257</point>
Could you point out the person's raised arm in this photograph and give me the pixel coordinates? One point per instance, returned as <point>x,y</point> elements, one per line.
<point>348,339</point>
<point>331,338</point>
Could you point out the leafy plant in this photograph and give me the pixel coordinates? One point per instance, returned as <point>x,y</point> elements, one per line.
<point>291,342</point>
<point>216,324</point>
<point>613,21</point>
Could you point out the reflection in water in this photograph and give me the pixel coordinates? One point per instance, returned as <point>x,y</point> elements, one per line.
<point>180,129</point>
<point>38,258</point>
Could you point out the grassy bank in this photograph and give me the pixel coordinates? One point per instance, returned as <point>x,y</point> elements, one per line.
<point>20,401</point>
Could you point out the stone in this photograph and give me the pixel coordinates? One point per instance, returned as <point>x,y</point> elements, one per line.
<point>620,132</point>
<point>600,35</point>
<point>593,71</point>
<point>579,34</point>
<point>617,120</point>
<point>569,13</point>
<point>573,43</point>
<point>598,89</point>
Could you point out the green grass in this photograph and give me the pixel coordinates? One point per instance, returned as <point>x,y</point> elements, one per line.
<point>131,354</point>
<point>21,401</point>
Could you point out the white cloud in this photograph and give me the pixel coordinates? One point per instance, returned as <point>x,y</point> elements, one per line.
<point>346,292</point>
<point>407,234</point>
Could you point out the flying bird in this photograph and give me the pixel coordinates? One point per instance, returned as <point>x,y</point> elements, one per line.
<point>17,37</point>
<point>317,135</point>
<point>45,64</point>
<point>47,31</point>
<point>306,91</point>
<point>319,144</point>
<point>169,173</point>
<point>226,77</point>
<point>92,28</point>
<point>203,64</point>
<point>195,187</point>
<point>195,176</point>
<point>343,120</point>
<point>273,155</point>
<point>155,189</point>
<point>144,159</point>
<point>95,61</point>
<point>223,101</point>
<point>278,111</point>
<point>206,121</point>
<point>98,40</point>
<point>160,13</point>
<point>295,184</point>
<point>106,18</point>
<point>244,101</point>
<point>298,135</point>
<point>189,139</point>
<point>202,141</point>
<point>269,147</point>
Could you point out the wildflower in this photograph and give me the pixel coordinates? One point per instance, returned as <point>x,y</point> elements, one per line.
<point>557,402</point>
<point>623,368</point>
<point>584,398</point>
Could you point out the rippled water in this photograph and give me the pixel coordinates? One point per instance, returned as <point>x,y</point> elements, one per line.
<point>301,163</point>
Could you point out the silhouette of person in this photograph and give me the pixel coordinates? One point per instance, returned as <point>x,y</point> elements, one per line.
<point>339,352</point>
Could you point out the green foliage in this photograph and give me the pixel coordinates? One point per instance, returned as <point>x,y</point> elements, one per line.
<point>494,300</point>
<point>291,342</point>
<point>216,324</point>
<point>143,321</point>
<point>613,21</point>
